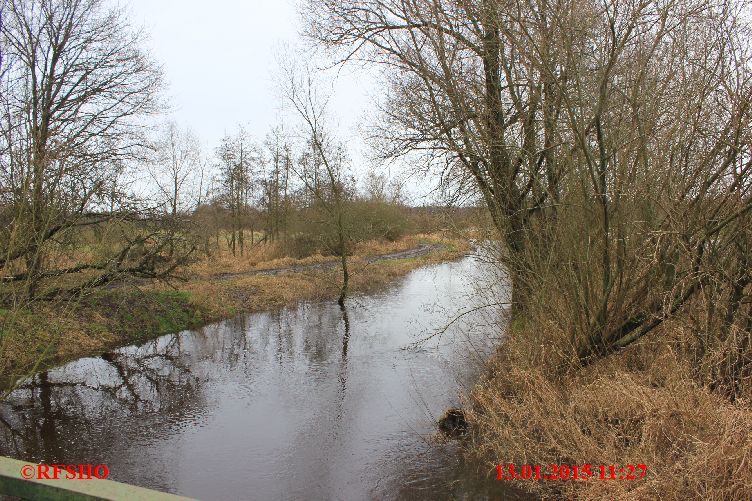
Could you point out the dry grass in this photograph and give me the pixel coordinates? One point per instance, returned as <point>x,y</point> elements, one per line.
<point>263,257</point>
<point>640,406</point>
<point>261,292</point>
<point>378,247</point>
<point>268,256</point>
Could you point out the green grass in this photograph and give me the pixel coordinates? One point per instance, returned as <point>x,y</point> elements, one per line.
<point>101,321</point>
<point>143,314</point>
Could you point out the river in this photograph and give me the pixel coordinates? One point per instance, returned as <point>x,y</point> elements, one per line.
<point>306,402</point>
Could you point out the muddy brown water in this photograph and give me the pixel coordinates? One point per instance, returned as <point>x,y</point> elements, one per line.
<point>302,403</point>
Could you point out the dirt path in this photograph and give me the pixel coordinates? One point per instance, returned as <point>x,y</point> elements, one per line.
<point>421,250</point>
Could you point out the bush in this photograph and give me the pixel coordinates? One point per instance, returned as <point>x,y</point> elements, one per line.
<point>315,232</point>
<point>300,245</point>
<point>375,220</point>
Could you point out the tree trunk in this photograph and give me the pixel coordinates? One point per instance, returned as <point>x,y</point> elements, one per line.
<point>343,252</point>
<point>345,280</point>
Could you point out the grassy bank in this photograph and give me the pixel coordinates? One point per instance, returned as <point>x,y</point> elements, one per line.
<point>52,334</point>
<point>641,406</point>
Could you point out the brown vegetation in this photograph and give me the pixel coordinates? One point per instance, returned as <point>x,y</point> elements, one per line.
<point>642,406</point>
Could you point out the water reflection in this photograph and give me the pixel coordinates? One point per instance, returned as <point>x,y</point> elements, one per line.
<point>310,402</point>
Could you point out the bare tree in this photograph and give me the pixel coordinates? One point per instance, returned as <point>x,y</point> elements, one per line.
<point>276,184</point>
<point>177,168</point>
<point>472,103</point>
<point>323,172</point>
<point>239,162</point>
<point>76,88</point>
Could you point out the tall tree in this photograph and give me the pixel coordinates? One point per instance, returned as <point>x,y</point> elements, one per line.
<point>75,88</point>
<point>473,103</point>
<point>323,167</point>
<point>276,183</point>
<point>177,168</point>
<point>239,162</point>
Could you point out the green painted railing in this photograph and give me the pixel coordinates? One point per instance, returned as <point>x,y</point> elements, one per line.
<point>12,483</point>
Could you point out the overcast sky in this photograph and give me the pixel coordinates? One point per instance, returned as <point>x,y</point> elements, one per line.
<point>219,60</point>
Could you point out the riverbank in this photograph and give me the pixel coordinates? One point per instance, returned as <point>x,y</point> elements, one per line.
<point>53,334</point>
<point>639,407</point>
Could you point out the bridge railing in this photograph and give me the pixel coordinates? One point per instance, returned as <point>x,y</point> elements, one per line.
<point>13,483</point>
